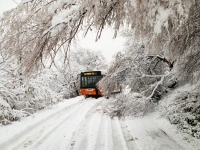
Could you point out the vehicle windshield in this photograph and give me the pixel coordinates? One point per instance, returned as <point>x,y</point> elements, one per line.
<point>89,81</point>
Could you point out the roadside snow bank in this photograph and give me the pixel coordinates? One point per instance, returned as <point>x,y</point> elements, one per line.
<point>182,108</point>
<point>10,132</point>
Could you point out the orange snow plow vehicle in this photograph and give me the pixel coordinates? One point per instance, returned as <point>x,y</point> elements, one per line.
<point>88,81</point>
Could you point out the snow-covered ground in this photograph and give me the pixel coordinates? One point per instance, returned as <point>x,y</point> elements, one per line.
<point>80,124</point>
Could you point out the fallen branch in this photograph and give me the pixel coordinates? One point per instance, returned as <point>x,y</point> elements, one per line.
<point>158,83</point>
<point>170,64</point>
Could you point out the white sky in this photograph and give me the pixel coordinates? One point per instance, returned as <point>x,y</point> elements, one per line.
<point>7,4</point>
<point>106,44</point>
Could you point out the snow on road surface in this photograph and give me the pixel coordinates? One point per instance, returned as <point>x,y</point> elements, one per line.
<point>80,124</point>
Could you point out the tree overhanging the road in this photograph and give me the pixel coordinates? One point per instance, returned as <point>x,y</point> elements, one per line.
<point>37,30</point>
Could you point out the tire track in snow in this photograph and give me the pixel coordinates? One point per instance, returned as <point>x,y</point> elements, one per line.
<point>86,137</point>
<point>131,141</point>
<point>93,131</point>
<point>61,136</point>
<point>79,134</point>
<point>105,141</point>
<point>39,133</point>
<point>118,137</point>
<point>95,134</point>
<point>46,125</point>
<point>20,137</point>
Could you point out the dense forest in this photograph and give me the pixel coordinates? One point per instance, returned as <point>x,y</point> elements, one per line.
<point>160,55</point>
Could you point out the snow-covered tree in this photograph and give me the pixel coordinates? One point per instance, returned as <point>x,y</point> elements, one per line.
<point>19,98</point>
<point>133,67</point>
<point>79,60</point>
<point>38,29</point>
<point>140,73</point>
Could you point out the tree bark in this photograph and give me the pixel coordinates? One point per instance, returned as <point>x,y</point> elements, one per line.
<point>170,64</point>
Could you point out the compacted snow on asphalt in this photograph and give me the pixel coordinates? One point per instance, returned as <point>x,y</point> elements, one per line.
<point>80,124</point>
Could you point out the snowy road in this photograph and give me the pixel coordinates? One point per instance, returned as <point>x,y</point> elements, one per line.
<point>79,124</point>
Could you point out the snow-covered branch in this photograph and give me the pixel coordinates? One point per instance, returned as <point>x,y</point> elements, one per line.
<point>157,84</point>
<point>37,28</point>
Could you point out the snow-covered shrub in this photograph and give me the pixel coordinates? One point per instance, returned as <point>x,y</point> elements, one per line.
<point>128,105</point>
<point>19,98</point>
<point>8,116</point>
<point>11,93</point>
<point>38,91</point>
<point>4,112</point>
<point>182,108</point>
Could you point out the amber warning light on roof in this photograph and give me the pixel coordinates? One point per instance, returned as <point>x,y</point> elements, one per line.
<point>89,73</point>
<point>92,73</point>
